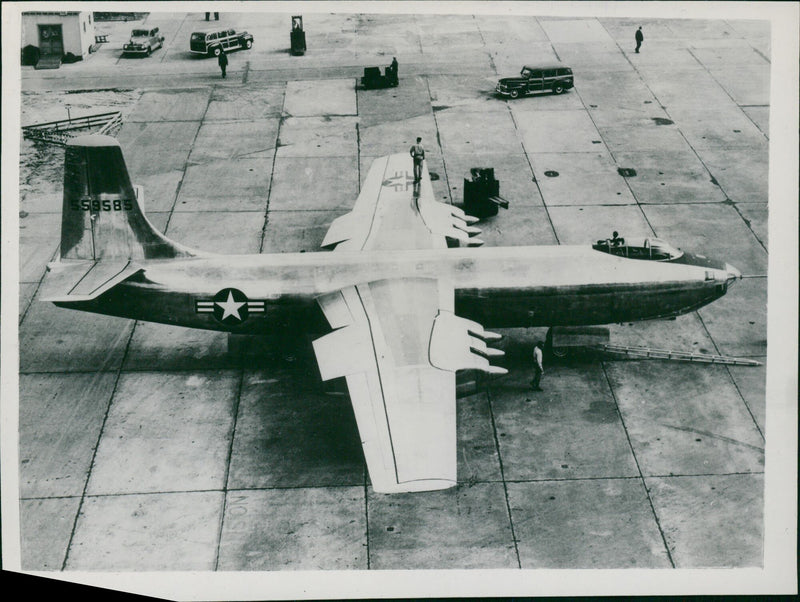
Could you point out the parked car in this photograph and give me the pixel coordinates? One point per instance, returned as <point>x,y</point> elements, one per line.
<point>540,78</point>
<point>144,41</point>
<point>211,43</point>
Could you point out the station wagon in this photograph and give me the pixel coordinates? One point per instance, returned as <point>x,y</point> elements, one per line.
<point>543,78</point>
<point>211,43</point>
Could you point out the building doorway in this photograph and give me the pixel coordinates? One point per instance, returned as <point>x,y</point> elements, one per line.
<point>51,40</point>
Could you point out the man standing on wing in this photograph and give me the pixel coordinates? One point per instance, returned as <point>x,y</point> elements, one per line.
<point>418,154</point>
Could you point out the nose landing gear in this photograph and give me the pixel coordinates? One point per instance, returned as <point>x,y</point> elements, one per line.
<point>563,341</point>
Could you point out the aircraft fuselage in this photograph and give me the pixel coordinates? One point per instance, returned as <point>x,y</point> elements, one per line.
<point>498,287</point>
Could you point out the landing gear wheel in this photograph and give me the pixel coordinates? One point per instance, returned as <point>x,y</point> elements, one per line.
<point>557,352</point>
<point>558,88</point>
<point>514,94</point>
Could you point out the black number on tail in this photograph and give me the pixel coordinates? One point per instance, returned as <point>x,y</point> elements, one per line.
<point>105,205</point>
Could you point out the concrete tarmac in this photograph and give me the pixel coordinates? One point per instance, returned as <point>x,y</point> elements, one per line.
<point>149,447</point>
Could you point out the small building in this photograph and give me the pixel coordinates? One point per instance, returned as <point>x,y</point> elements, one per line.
<point>57,33</point>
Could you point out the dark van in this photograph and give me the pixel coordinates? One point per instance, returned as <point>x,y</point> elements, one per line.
<point>211,43</point>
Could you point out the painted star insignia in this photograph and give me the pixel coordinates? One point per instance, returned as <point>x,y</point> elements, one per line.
<point>230,307</point>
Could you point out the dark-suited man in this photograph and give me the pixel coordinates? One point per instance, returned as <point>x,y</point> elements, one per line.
<point>223,61</point>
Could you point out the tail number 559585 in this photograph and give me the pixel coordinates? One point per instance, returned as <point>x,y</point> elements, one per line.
<point>98,205</point>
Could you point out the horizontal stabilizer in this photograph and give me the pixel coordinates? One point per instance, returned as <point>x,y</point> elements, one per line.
<point>70,281</point>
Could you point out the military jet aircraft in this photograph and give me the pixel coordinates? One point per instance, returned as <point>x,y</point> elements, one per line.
<point>404,311</point>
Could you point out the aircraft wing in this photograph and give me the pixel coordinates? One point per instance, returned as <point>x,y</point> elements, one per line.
<point>399,345</point>
<point>397,341</point>
<point>395,213</point>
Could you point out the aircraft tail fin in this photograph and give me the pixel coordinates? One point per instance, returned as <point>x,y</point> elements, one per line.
<point>101,215</point>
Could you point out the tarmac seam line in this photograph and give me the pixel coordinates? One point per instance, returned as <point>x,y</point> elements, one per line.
<point>439,141</point>
<point>226,478</point>
<point>419,36</point>
<point>714,436</point>
<point>483,41</point>
<point>630,478</point>
<point>704,474</point>
<point>732,379</point>
<point>219,490</point>
<point>277,146</point>
<point>503,477</point>
<point>532,172</point>
<point>186,162</point>
<point>366,485</point>
<point>83,495</point>
<point>52,256</point>
<point>174,37</point>
<point>689,144</point>
<point>614,158</point>
<point>728,94</point>
<point>638,467</point>
<point>38,284</point>
<point>565,479</point>
<point>49,497</point>
<point>749,226</point>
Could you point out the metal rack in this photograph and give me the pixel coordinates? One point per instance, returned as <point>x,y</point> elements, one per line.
<point>59,132</point>
<point>686,356</point>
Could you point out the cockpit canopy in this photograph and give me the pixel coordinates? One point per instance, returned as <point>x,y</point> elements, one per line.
<point>653,249</point>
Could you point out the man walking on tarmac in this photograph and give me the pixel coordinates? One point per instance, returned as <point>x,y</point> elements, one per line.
<point>538,369</point>
<point>223,61</point>
<point>418,154</point>
<point>639,39</point>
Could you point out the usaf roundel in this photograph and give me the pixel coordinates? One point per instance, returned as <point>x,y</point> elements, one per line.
<point>399,182</point>
<point>229,306</point>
